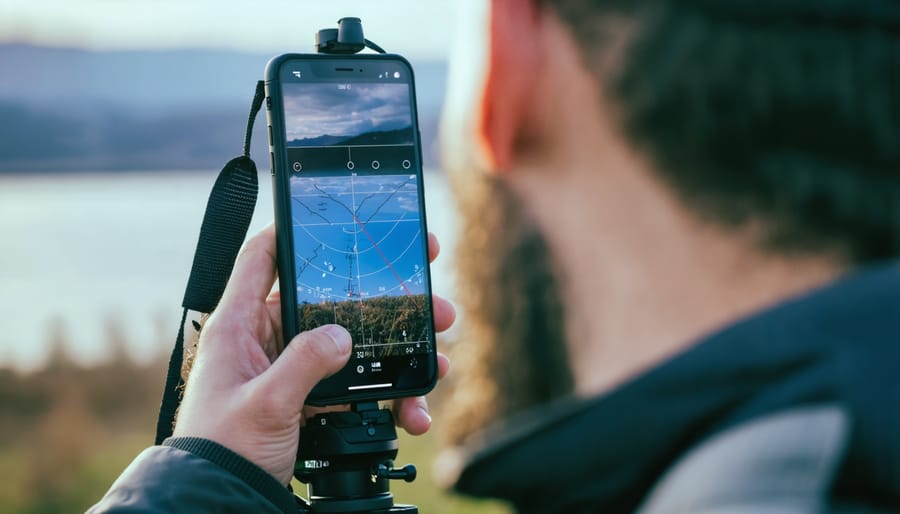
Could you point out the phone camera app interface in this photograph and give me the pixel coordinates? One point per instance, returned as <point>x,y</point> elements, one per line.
<point>359,246</point>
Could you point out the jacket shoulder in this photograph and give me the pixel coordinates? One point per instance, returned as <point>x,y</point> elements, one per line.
<point>172,480</point>
<point>780,463</point>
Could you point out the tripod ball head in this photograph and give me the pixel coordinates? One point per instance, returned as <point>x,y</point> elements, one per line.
<point>346,458</point>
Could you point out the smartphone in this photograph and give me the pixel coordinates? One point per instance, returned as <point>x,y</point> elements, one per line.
<point>350,218</point>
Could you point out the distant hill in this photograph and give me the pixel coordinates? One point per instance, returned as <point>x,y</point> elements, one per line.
<point>326,140</point>
<point>78,110</point>
<point>400,136</point>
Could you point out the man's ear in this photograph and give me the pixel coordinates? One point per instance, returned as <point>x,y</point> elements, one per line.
<point>514,61</point>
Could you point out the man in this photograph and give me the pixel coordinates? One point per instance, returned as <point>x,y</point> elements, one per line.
<point>668,282</point>
<point>669,279</point>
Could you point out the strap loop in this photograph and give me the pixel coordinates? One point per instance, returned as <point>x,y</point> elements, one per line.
<point>258,97</point>
<point>225,223</point>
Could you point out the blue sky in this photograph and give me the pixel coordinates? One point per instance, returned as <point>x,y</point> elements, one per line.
<point>420,27</point>
<point>89,282</point>
<point>376,249</point>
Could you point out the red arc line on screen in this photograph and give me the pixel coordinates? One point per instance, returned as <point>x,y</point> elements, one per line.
<point>383,256</point>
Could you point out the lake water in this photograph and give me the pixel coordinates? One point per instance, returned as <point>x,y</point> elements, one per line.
<point>83,252</point>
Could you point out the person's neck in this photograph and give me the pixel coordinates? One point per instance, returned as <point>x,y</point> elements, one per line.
<point>642,278</point>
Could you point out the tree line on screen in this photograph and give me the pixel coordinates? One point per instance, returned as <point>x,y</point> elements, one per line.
<point>373,321</point>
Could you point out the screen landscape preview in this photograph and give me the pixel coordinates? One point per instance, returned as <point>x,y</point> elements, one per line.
<point>351,114</point>
<point>360,258</point>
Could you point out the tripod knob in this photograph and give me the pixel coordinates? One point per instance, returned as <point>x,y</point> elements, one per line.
<point>407,473</point>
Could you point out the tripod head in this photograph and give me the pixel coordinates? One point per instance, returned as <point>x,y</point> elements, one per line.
<point>347,458</point>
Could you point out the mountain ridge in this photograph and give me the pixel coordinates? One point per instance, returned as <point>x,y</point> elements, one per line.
<point>68,109</point>
<point>401,136</point>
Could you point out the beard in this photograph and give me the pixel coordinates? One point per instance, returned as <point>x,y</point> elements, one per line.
<point>511,353</point>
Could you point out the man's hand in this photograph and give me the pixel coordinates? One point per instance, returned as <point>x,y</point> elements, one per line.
<point>246,389</point>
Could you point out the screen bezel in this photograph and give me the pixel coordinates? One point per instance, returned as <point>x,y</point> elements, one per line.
<point>325,69</point>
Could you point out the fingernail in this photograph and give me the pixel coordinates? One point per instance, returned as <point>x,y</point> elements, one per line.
<point>425,412</point>
<point>339,335</point>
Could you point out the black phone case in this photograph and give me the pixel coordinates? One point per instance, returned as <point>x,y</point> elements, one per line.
<point>284,236</point>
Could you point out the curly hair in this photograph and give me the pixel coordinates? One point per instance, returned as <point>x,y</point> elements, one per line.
<point>785,111</point>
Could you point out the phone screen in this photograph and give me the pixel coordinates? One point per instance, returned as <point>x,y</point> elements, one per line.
<point>359,254</point>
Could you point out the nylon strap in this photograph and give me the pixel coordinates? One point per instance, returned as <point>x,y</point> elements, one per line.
<point>225,223</point>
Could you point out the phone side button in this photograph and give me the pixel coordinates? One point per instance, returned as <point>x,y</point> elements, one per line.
<point>272,163</point>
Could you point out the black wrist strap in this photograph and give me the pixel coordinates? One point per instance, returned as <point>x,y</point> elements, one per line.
<point>225,223</point>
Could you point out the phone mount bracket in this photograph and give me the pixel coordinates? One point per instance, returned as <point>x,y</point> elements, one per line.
<point>346,458</point>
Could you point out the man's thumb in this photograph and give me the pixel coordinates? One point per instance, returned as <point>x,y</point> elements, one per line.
<point>310,357</point>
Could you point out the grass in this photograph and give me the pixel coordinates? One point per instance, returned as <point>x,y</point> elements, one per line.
<point>424,492</point>
<point>28,489</point>
<point>67,432</point>
<point>75,489</point>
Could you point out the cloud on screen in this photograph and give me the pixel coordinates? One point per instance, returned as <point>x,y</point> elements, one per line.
<point>318,109</point>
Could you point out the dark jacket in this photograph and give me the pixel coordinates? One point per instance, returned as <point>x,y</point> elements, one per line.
<point>796,409</point>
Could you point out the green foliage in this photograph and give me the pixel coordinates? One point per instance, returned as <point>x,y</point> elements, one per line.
<point>67,431</point>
